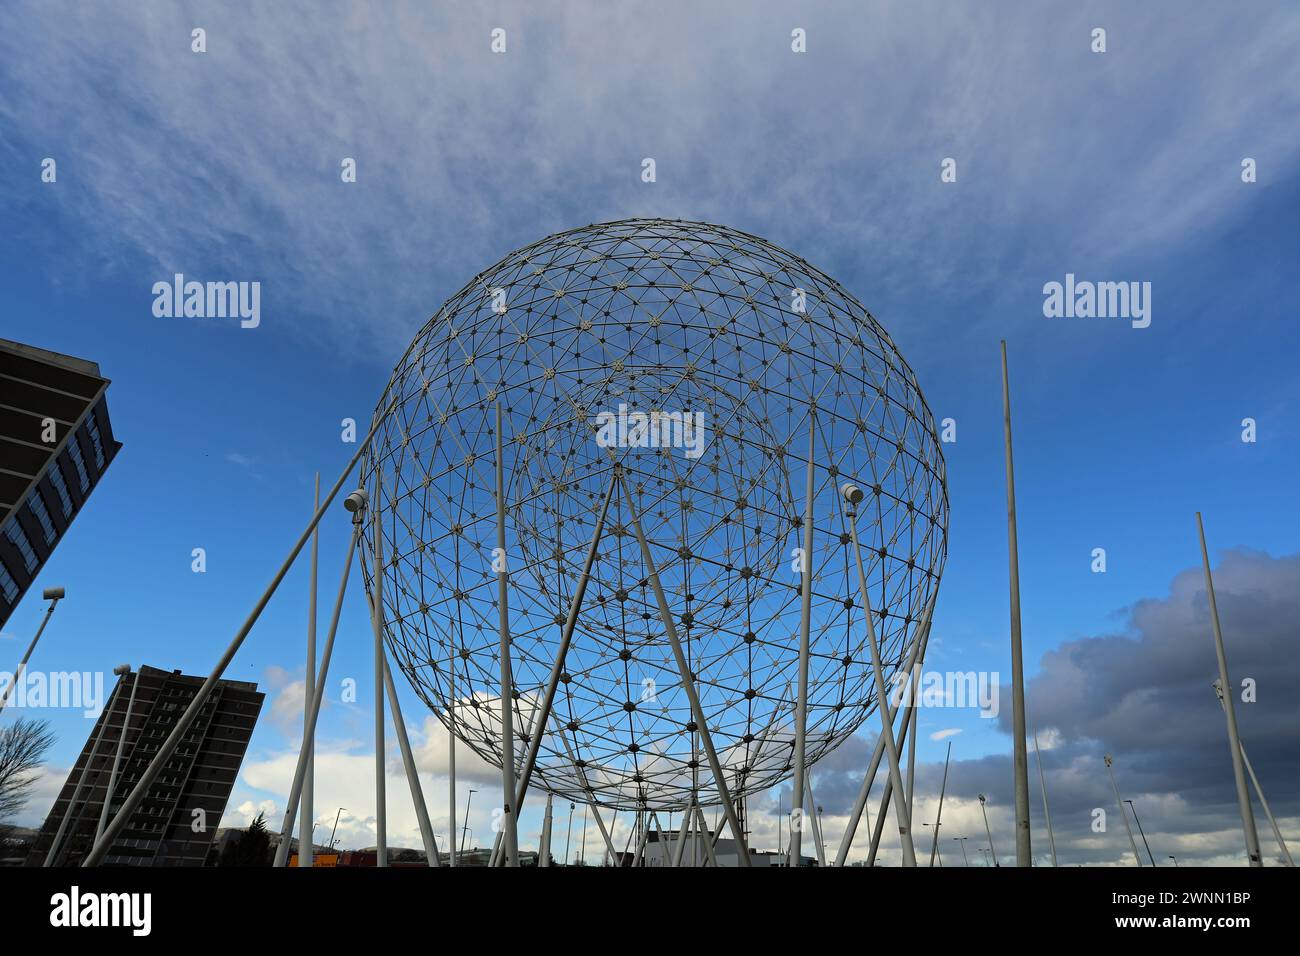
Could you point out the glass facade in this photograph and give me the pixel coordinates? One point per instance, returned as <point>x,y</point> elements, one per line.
<point>15,533</point>
<point>37,504</point>
<point>61,487</point>
<point>93,427</point>
<point>74,449</point>
<point>8,586</point>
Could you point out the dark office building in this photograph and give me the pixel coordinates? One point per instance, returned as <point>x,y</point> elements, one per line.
<point>166,829</point>
<point>55,443</point>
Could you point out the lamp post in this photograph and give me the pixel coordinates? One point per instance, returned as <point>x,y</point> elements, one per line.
<point>964,858</point>
<point>336,825</point>
<point>568,836</point>
<point>1120,803</point>
<point>1141,831</point>
<point>992,852</point>
<point>1174,858</point>
<point>53,595</point>
<point>465,829</point>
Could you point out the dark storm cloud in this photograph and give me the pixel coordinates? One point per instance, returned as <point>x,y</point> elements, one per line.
<point>1145,696</point>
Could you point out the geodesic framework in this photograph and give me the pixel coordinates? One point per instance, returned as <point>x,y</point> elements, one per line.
<point>726,345</point>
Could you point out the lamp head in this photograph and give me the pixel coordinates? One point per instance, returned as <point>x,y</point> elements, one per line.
<point>852,493</point>
<point>53,594</point>
<point>356,501</point>
<point>121,670</point>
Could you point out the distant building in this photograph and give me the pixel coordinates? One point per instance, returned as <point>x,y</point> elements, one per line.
<point>55,443</point>
<point>175,823</point>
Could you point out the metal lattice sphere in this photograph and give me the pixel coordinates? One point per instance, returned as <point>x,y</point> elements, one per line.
<point>692,360</point>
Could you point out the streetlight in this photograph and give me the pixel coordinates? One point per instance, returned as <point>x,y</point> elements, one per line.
<point>964,857</point>
<point>1174,858</point>
<point>53,595</point>
<point>465,829</point>
<point>992,852</point>
<point>1119,802</point>
<point>1141,831</point>
<point>983,850</point>
<point>568,836</point>
<point>336,825</point>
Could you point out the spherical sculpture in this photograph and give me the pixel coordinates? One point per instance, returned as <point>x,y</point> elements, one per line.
<point>682,366</point>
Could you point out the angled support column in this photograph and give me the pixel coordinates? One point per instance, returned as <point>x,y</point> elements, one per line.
<point>314,705</point>
<point>117,758</point>
<point>1042,785</point>
<point>853,494</point>
<point>412,774</point>
<point>938,819</point>
<point>682,834</point>
<point>57,843</point>
<point>819,846</point>
<point>805,628</point>
<point>705,837</point>
<point>182,726</point>
<point>1019,752</point>
<point>376,612</point>
<point>510,816</point>
<point>307,815</point>
<point>1259,791</point>
<point>544,850</point>
<point>566,638</point>
<point>688,680</point>
<point>1253,854</point>
<point>915,654</point>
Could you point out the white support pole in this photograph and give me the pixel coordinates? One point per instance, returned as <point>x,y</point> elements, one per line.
<point>705,837</point>
<point>682,834</point>
<point>938,820</point>
<point>543,715</point>
<point>1259,791</point>
<point>307,814</point>
<point>49,612</point>
<point>544,849</point>
<point>182,726</point>
<point>916,654</point>
<point>1042,785</point>
<point>688,680</point>
<point>882,690</point>
<point>412,774</point>
<point>805,629</point>
<point>1253,855</point>
<point>117,757</point>
<point>1020,761</point>
<point>451,750</point>
<point>908,725</point>
<point>300,769</point>
<point>819,845</point>
<point>510,815</point>
<point>57,843</point>
<point>376,613</point>
<point>1120,804</point>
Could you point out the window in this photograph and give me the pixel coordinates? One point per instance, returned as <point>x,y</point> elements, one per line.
<point>8,585</point>
<point>61,486</point>
<point>74,449</point>
<point>93,427</point>
<point>42,514</point>
<point>19,538</point>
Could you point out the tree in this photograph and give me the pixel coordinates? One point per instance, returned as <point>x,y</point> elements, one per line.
<point>253,848</point>
<point>22,750</point>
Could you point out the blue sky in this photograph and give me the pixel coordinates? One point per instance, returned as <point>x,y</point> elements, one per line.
<point>1119,166</point>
